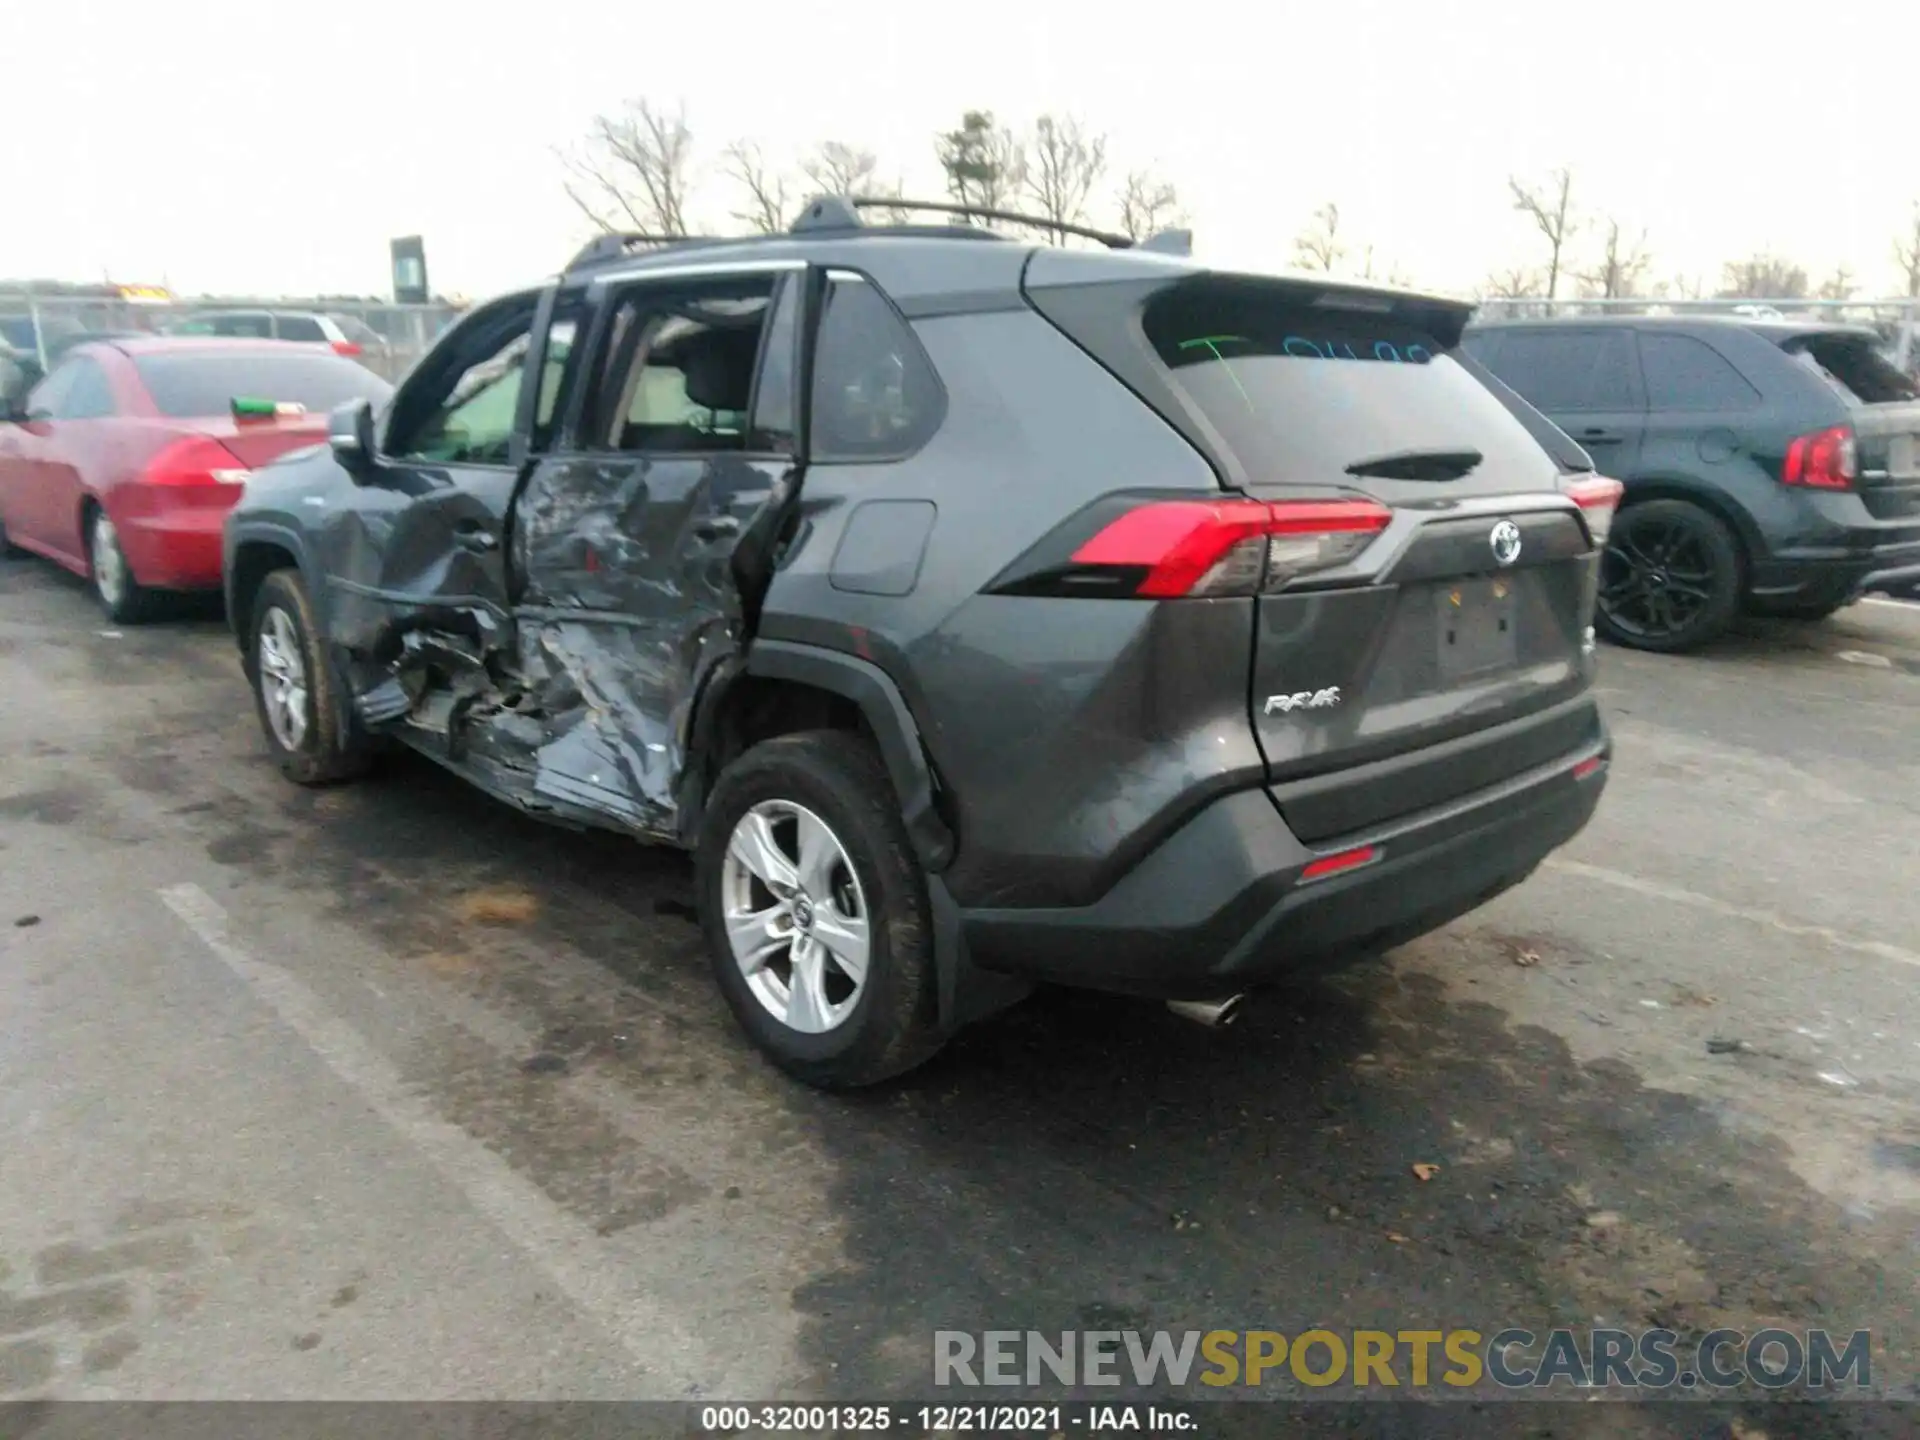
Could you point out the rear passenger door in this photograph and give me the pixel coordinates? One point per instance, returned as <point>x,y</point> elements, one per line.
<point>1699,407</point>
<point>1585,379</point>
<point>680,443</point>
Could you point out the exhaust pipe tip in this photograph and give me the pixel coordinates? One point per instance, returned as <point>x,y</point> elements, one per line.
<point>1211,1013</point>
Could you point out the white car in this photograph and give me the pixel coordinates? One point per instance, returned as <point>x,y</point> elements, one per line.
<point>345,334</point>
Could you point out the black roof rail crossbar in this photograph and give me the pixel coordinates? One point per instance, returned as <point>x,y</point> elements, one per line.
<point>616,245</point>
<point>842,212</point>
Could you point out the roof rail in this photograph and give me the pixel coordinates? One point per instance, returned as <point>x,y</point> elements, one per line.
<point>617,245</point>
<point>842,212</point>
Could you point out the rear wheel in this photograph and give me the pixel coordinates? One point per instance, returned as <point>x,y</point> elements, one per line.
<point>294,688</point>
<point>1670,577</point>
<point>815,911</point>
<point>125,599</point>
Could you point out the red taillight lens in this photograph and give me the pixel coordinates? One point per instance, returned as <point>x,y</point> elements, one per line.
<point>1598,498</point>
<point>1230,547</point>
<point>1824,460</point>
<point>196,460</point>
<point>345,347</point>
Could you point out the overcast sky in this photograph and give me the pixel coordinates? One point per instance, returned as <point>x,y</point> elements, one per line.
<point>273,148</point>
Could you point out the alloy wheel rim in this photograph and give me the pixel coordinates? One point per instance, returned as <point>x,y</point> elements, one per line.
<point>109,565</point>
<point>796,916</point>
<point>283,678</point>
<point>1656,578</point>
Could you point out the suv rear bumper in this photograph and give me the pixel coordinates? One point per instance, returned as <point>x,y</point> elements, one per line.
<point>1836,576</point>
<point>1223,904</point>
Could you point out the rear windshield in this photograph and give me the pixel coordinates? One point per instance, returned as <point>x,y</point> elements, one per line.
<point>1854,366</point>
<point>205,385</point>
<point>1299,392</point>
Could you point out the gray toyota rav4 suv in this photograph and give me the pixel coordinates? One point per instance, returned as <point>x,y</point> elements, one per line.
<point>978,613</point>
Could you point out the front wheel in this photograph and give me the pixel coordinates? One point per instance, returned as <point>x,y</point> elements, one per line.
<point>815,911</point>
<point>294,689</point>
<point>1670,578</point>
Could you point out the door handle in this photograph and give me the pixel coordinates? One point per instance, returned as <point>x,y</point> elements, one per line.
<point>476,537</point>
<point>1601,437</point>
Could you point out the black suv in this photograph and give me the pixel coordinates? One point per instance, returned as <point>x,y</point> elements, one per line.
<point>1768,464</point>
<point>977,612</point>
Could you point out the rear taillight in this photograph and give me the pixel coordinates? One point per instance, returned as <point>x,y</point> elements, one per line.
<point>345,347</point>
<point>196,460</point>
<point>1824,460</point>
<point>1172,548</point>
<point>1598,498</point>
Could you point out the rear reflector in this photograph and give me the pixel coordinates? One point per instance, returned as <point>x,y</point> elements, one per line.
<point>1598,498</point>
<point>1229,547</point>
<point>1335,864</point>
<point>1824,460</point>
<point>1588,766</point>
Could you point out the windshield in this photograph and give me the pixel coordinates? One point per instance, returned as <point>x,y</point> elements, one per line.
<point>1302,393</point>
<point>185,384</point>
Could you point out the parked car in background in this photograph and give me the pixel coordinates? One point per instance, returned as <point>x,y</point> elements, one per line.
<point>343,333</point>
<point>120,464</point>
<point>977,612</point>
<point>1769,464</point>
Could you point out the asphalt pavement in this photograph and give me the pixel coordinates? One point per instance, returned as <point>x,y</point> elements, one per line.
<point>384,1091</point>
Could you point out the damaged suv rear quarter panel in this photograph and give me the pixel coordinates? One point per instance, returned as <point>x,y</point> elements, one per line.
<point>1053,755</point>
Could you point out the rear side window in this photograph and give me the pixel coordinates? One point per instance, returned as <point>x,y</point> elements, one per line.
<point>1299,393</point>
<point>1688,374</point>
<point>204,385</point>
<point>299,327</point>
<point>875,394</point>
<point>253,327</point>
<point>1855,368</point>
<point>91,397</point>
<point>1568,370</point>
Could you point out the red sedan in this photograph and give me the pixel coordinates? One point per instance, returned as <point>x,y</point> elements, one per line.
<point>122,463</point>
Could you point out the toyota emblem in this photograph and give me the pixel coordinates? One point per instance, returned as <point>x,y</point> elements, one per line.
<point>1505,540</point>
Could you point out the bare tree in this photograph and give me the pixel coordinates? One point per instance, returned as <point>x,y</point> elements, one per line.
<point>1148,205</point>
<point>1318,247</point>
<point>836,168</point>
<point>1763,277</point>
<point>1906,252</point>
<point>1066,162</point>
<point>1550,206</point>
<point>1682,287</point>
<point>768,205</point>
<point>1514,284</point>
<point>1622,267</point>
<point>984,162</point>
<point>634,170</point>
<point>1839,285</point>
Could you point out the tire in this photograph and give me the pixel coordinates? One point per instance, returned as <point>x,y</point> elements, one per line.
<point>295,691</point>
<point>836,1034</point>
<point>1670,579</point>
<point>124,599</point>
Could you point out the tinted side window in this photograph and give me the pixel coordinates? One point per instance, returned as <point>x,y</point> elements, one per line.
<point>875,393</point>
<point>1562,370</point>
<point>47,398</point>
<point>91,396</point>
<point>1688,374</point>
<point>771,425</point>
<point>299,327</point>
<point>254,326</point>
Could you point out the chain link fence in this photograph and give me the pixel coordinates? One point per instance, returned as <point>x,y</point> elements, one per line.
<point>390,337</point>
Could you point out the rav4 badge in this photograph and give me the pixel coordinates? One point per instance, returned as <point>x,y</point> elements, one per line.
<point>1303,700</point>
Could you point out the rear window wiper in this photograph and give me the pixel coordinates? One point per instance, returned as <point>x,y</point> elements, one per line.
<point>1419,465</point>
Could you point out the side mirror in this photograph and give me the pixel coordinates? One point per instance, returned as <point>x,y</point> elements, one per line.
<point>350,433</point>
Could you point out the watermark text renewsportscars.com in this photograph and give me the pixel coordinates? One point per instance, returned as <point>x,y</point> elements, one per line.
<point>1407,1360</point>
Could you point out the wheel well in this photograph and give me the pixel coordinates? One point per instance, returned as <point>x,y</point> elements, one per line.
<point>253,561</point>
<point>755,708</point>
<point>1717,506</point>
